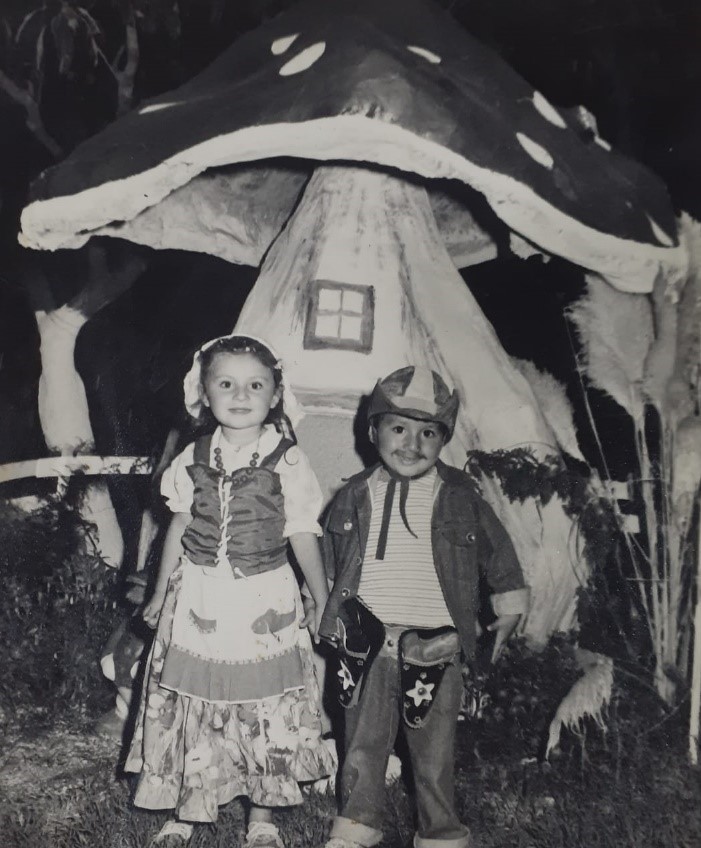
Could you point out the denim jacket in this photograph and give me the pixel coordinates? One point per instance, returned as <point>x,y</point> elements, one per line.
<point>468,541</point>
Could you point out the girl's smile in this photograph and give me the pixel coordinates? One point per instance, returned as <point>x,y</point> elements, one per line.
<point>240,391</point>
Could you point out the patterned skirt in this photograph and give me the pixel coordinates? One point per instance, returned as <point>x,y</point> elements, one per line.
<point>195,755</point>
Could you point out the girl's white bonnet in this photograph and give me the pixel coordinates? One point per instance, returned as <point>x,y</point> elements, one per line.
<point>192,382</point>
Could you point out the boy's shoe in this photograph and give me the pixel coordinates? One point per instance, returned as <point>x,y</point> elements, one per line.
<point>263,835</point>
<point>173,834</point>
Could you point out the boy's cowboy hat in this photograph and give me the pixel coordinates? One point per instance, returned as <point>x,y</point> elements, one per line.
<point>415,392</point>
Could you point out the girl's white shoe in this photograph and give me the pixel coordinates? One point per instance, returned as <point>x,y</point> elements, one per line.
<point>173,834</point>
<point>263,835</point>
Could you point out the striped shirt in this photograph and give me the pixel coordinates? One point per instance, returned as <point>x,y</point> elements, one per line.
<point>403,587</point>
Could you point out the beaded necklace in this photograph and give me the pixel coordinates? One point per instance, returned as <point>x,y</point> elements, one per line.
<point>219,462</point>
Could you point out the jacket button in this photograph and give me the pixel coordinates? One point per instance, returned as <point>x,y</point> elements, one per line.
<point>470,537</point>
<point>345,592</point>
<point>347,525</point>
<point>358,560</point>
<point>390,643</point>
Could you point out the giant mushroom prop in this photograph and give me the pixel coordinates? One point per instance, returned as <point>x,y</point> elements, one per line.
<point>343,145</point>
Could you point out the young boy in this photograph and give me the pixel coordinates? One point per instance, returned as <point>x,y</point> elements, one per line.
<point>405,543</point>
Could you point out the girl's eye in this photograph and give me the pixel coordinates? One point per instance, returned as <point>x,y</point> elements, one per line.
<point>256,385</point>
<point>225,384</point>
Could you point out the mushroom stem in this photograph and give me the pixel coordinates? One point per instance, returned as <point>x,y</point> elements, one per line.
<point>376,235</point>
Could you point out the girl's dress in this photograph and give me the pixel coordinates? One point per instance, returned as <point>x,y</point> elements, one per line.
<point>231,704</point>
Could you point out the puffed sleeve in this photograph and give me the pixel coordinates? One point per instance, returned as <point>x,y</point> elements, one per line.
<point>176,485</point>
<point>302,493</point>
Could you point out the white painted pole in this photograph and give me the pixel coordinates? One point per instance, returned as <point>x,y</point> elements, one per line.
<point>65,422</point>
<point>696,662</point>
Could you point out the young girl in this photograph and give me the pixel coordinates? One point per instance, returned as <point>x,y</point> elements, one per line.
<point>231,706</point>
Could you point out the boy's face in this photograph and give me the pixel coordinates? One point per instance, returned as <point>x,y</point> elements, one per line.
<point>407,446</point>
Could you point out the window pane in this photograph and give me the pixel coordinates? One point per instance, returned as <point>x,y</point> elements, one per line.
<point>353,302</point>
<point>329,299</point>
<point>351,327</point>
<point>327,326</point>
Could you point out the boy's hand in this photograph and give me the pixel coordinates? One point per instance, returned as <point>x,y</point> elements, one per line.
<point>318,615</point>
<point>504,626</point>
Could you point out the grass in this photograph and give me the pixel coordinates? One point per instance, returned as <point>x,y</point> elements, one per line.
<point>645,796</point>
<point>60,784</point>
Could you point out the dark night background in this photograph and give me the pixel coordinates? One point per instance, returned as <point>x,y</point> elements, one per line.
<point>635,64</point>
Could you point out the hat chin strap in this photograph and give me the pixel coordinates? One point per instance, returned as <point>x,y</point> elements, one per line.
<point>403,481</point>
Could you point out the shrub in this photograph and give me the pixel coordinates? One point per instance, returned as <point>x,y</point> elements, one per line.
<point>56,611</point>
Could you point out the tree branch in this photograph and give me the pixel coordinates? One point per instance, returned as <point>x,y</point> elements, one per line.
<point>126,77</point>
<point>32,114</point>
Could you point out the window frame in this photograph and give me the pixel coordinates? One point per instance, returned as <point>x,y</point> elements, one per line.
<point>313,341</point>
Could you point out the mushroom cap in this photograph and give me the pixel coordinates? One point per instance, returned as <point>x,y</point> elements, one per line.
<point>396,84</point>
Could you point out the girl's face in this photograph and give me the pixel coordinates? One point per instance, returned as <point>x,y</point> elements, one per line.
<point>240,391</point>
<point>407,446</point>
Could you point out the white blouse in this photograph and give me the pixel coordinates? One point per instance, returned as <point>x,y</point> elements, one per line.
<point>300,488</point>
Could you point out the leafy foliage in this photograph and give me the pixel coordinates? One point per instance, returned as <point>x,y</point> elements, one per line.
<point>521,474</point>
<point>523,690</point>
<point>56,612</point>
<point>606,607</point>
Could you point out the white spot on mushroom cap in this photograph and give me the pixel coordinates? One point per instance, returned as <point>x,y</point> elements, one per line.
<point>431,57</point>
<point>548,111</point>
<point>536,151</point>
<point>659,233</point>
<point>303,60</point>
<point>280,45</point>
<point>155,107</point>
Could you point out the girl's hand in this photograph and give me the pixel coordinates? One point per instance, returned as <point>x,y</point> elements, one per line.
<point>309,608</point>
<point>504,626</point>
<point>153,608</point>
<point>312,617</point>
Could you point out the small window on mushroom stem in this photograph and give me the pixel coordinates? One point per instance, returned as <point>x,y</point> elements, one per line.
<point>340,316</point>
